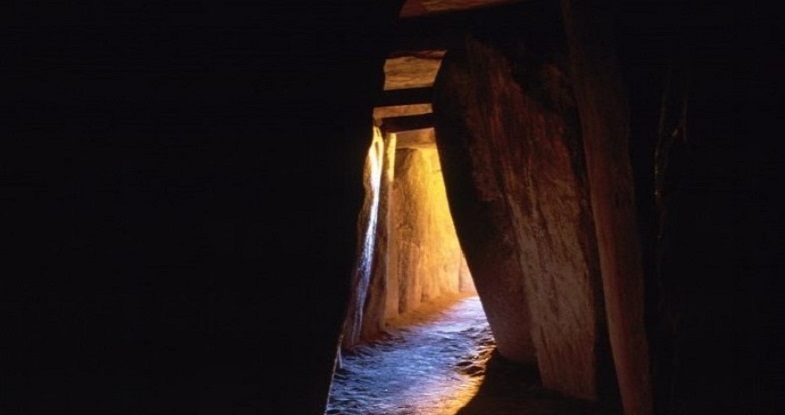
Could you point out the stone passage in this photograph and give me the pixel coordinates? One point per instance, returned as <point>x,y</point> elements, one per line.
<point>409,253</point>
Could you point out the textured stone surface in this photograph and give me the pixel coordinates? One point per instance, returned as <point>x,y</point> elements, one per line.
<point>509,106</point>
<point>416,255</point>
<point>366,311</point>
<point>604,122</point>
<point>423,139</point>
<point>399,110</point>
<point>367,229</point>
<point>412,70</point>
<point>483,224</point>
<point>424,255</point>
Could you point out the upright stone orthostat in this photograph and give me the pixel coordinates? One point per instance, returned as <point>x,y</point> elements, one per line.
<point>508,132</point>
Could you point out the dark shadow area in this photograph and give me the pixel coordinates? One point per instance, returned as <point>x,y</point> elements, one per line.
<point>509,388</point>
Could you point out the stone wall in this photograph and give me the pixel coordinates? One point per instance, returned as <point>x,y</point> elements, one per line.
<point>597,80</point>
<point>416,256</point>
<point>424,257</point>
<point>508,128</point>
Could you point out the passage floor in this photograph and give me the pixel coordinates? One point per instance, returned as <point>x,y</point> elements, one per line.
<point>441,360</point>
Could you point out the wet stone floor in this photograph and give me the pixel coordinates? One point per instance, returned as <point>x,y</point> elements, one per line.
<point>442,361</point>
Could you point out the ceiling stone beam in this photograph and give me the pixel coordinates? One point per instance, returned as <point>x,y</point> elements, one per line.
<point>380,113</point>
<point>407,123</point>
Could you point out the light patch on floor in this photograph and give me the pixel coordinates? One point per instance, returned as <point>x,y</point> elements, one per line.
<point>430,363</point>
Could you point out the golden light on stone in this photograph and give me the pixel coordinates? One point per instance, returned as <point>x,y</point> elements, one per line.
<point>408,241</point>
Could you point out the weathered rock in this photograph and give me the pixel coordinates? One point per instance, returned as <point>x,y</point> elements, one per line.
<point>366,310</point>
<point>412,70</point>
<point>376,304</point>
<point>397,110</point>
<point>482,223</point>
<point>604,120</point>
<point>508,130</point>
<point>424,139</point>
<point>414,255</point>
<point>424,256</point>
<point>465,280</point>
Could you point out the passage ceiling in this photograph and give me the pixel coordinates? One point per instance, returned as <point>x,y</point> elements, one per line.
<point>426,29</point>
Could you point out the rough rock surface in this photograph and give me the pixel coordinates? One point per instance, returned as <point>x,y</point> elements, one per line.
<point>366,237</point>
<point>415,254</point>
<point>604,121</point>
<point>509,106</point>
<point>491,252</point>
<point>374,312</point>
<point>424,255</point>
<point>424,139</point>
<point>412,70</point>
<point>398,110</point>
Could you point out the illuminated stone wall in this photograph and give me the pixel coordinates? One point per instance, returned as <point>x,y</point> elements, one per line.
<point>424,257</point>
<point>411,254</point>
<point>369,236</point>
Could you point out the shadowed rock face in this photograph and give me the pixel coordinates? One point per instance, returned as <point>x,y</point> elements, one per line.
<point>605,129</point>
<point>507,126</point>
<point>717,269</point>
<point>483,223</point>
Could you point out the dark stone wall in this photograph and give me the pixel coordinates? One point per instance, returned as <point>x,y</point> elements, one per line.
<point>604,118</point>
<point>424,256</point>
<point>181,184</point>
<point>702,85</point>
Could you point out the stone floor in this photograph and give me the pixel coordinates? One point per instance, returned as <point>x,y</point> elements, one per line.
<point>442,361</point>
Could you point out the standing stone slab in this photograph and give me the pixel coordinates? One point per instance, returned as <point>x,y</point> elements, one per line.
<point>505,110</point>
<point>605,122</point>
<point>424,255</point>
